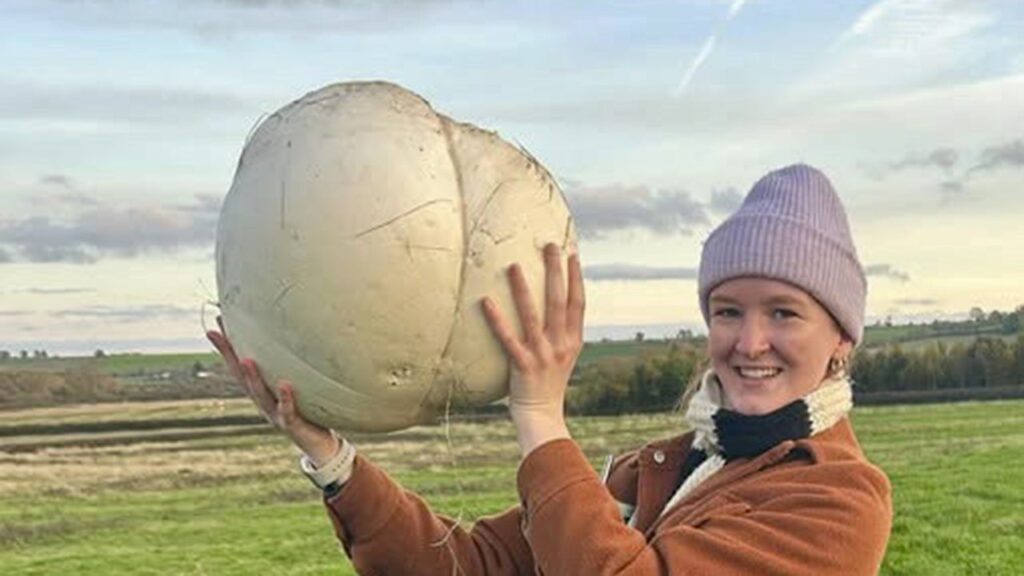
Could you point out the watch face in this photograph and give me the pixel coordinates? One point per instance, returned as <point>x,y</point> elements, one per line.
<point>332,489</point>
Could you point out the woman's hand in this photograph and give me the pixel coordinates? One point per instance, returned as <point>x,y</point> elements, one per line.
<point>315,441</point>
<point>543,359</point>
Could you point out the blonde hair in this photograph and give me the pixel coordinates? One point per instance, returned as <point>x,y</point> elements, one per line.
<point>699,369</point>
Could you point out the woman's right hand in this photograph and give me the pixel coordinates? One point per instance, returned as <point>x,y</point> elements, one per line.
<point>315,441</point>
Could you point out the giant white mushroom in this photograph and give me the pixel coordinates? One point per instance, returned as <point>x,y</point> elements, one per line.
<point>360,232</point>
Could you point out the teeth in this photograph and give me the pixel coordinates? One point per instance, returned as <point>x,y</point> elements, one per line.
<point>758,373</point>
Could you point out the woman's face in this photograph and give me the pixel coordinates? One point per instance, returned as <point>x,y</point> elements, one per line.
<point>770,343</point>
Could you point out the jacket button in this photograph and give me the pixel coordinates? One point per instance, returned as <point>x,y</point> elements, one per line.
<point>659,457</point>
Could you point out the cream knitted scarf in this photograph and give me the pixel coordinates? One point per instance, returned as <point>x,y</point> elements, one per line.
<point>721,434</point>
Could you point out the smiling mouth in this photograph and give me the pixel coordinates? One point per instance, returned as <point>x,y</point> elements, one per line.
<point>750,373</point>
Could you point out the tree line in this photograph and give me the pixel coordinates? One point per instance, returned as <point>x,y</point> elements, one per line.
<point>656,381</point>
<point>986,362</point>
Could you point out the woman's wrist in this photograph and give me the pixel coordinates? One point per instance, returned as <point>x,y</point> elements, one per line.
<point>331,475</point>
<point>319,446</point>
<point>536,428</point>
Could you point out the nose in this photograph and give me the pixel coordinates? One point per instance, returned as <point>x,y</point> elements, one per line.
<point>753,339</point>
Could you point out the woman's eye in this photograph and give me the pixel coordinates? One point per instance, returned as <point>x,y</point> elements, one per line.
<point>783,314</point>
<point>727,312</point>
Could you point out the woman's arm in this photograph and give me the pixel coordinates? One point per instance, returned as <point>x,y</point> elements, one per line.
<point>383,528</point>
<point>542,359</point>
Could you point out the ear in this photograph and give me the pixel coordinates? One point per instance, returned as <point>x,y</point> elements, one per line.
<point>844,348</point>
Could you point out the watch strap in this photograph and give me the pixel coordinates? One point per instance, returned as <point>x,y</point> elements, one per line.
<point>333,473</point>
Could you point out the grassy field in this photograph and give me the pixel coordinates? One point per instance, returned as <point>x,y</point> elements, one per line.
<point>229,500</point>
<point>117,364</point>
<point>924,333</point>
<point>947,341</point>
<point>126,365</point>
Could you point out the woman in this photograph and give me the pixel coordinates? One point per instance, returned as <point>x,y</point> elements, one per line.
<point>771,479</point>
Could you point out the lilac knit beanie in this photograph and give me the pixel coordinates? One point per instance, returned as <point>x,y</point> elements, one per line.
<point>790,227</point>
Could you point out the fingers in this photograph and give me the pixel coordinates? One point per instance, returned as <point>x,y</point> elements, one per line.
<point>576,304</point>
<point>500,326</point>
<point>281,410</point>
<point>227,352</point>
<point>258,389</point>
<point>563,313</point>
<point>528,318</point>
<point>286,403</point>
<point>554,297</point>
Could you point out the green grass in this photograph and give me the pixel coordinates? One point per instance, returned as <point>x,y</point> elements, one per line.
<point>116,364</point>
<point>237,505</point>
<point>948,341</point>
<point>925,334</point>
<point>620,349</point>
<point>130,364</point>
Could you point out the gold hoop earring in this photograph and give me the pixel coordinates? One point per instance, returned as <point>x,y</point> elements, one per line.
<point>837,366</point>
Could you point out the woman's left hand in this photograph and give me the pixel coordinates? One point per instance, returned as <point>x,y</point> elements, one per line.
<point>542,360</point>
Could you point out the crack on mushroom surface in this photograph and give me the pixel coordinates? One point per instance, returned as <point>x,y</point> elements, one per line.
<point>405,214</point>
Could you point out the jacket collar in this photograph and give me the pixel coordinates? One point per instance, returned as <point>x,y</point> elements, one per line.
<point>659,465</point>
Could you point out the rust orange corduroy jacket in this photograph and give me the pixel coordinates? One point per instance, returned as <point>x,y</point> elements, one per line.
<point>813,506</point>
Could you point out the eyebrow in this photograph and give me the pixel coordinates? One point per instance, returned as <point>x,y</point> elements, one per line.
<point>721,300</point>
<point>785,300</point>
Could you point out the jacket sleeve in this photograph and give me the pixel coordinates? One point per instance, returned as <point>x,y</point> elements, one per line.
<point>385,529</point>
<point>573,527</point>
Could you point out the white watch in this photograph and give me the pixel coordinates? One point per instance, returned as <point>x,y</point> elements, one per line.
<point>335,472</point>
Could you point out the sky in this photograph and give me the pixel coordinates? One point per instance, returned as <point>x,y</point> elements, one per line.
<point>121,124</point>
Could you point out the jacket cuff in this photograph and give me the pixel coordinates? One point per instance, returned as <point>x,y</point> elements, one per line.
<point>364,505</point>
<point>548,470</point>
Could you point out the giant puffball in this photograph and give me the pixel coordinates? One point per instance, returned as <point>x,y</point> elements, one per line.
<point>357,239</point>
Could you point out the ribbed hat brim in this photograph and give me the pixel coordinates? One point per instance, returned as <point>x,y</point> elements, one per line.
<point>784,249</point>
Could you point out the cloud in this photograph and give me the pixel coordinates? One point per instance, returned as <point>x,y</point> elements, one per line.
<point>66,193</point>
<point>706,49</point>
<point>5,256</point>
<point>886,271</point>
<point>951,188</point>
<point>56,180</point>
<point>601,210</point>
<point>163,106</point>
<point>894,44</point>
<point>734,8</point>
<point>124,313</point>
<point>916,302</point>
<point>944,158</point>
<point>61,291</point>
<point>604,272</point>
<point>898,27</point>
<point>70,198</point>
<point>1010,154</point>
<point>49,254</point>
<point>870,17</point>
<point>103,230</point>
<point>725,201</point>
<point>14,313</point>
<point>702,55</point>
<point>215,20</point>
